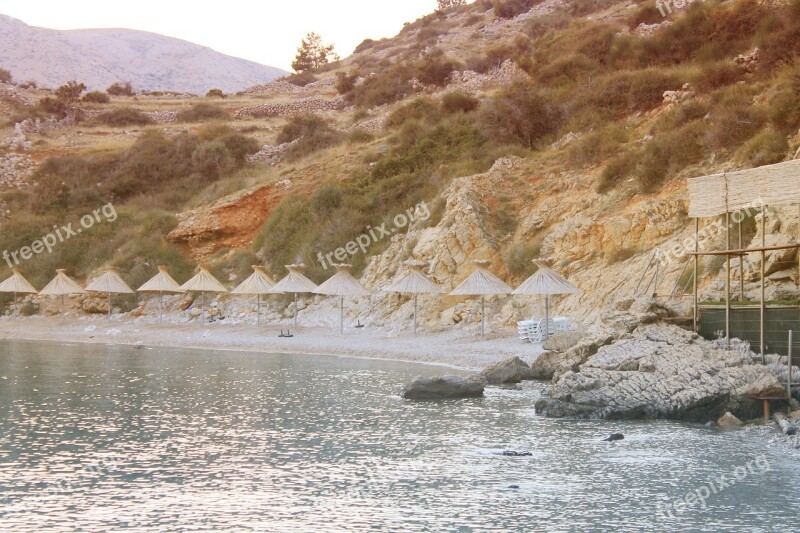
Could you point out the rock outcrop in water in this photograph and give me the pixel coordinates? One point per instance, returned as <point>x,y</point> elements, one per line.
<point>444,387</point>
<point>654,370</point>
<point>509,370</point>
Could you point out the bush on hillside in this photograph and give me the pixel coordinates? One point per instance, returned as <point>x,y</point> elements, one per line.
<point>765,148</point>
<point>509,9</point>
<point>520,115</point>
<point>301,79</point>
<point>345,82</point>
<point>312,133</point>
<point>421,109</point>
<point>215,93</point>
<point>202,112</point>
<point>435,68</point>
<point>457,102</point>
<point>5,76</point>
<point>96,97</point>
<point>119,88</point>
<point>386,87</point>
<point>123,116</point>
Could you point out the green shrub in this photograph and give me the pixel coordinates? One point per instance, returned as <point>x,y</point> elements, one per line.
<point>646,14</point>
<point>730,127</point>
<point>422,109</point>
<point>435,68</point>
<point>211,159</point>
<point>5,76</point>
<point>202,112</point>
<point>509,9</point>
<point>312,133</point>
<point>519,259</point>
<point>52,106</point>
<point>96,97</point>
<point>301,79</point>
<point>627,92</point>
<point>345,82</point>
<point>389,86</point>
<point>616,171</point>
<point>123,116</point>
<point>456,102</point>
<point>120,89</point>
<point>521,115</point>
<point>596,146</point>
<point>366,44</point>
<point>359,136</point>
<point>215,93</point>
<point>70,92</point>
<point>766,148</point>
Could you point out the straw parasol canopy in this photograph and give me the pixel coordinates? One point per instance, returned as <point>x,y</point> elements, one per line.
<point>203,282</point>
<point>481,283</point>
<point>415,282</point>
<point>294,282</point>
<point>61,285</point>
<point>547,282</point>
<point>258,283</point>
<point>17,284</point>
<point>342,284</point>
<point>161,284</point>
<point>110,283</point>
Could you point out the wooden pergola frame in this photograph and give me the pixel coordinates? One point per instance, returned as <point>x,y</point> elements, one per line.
<point>728,193</point>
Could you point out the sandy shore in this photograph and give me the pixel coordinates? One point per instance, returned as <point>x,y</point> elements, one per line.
<point>457,348</point>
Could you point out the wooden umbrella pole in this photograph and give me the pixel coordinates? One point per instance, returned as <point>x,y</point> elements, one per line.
<point>546,316</point>
<point>696,266</point>
<point>62,307</point>
<point>483,315</point>
<point>741,264</point>
<point>295,311</point>
<point>341,316</point>
<point>258,310</point>
<point>109,307</point>
<point>161,307</point>
<point>728,282</point>
<point>202,310</point>
<point>763,270</point>
<point>789,375</point>
<point>15,305</point>
<point>415,314</point>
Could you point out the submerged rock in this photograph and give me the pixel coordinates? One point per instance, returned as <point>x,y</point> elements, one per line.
<point>659,371</point>
<point>442,387</point>
<point>509,370</point>
<point>614,436</point>
<point>513,453</point>
<point>728,420</point>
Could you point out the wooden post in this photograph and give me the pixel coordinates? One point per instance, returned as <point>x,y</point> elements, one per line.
<point>741,264</point>
<point>728,281</point>
<point>341,317</point>
<point>696,262</point>
<point>766,410</point>
<point>789,374</point>
<point>483,316</point>
<point>15,305</point>
<point>763,270</point>
<point>415,314</point>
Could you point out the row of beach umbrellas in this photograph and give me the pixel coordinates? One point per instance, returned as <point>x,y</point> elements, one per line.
<point>342,284</point>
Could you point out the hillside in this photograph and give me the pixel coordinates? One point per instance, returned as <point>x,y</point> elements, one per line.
<point>553,128</point>
<point>100,57</point>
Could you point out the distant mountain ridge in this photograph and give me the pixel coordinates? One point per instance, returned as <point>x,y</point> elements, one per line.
<point>99,57</point>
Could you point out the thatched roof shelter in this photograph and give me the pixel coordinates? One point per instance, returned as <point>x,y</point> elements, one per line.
<point>257,283</point>
<point>481,283</point>
<point>546,281</point>
<point>161,284</point>
<point>61,285</point>
<point>342,284</point>
<point>203,282</point>
<point>294,283</point>
<point>415,282</point>
<point>109,282</point>
<point>17,284</point>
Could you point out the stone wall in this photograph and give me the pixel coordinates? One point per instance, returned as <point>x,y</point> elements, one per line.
<point>313,104</point>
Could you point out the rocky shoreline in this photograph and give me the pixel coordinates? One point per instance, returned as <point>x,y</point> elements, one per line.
<point>636,366</point>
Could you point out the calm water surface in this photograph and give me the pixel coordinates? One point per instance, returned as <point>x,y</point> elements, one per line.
<point>109,438</point>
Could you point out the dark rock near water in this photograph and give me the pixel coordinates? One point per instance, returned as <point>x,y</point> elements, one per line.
<point>509,370</point>
<point>614,436</point>
<point>443,387</point>
<point>513,453</point>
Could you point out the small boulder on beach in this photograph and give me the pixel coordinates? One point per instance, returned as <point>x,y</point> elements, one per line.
<point>509,370</point>
<point>728,420</point>
<point>444,387</point>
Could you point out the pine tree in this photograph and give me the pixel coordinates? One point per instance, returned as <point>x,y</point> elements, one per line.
<point>312,54</point>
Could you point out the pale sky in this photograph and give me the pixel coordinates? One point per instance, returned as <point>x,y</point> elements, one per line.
<point>267,31</point>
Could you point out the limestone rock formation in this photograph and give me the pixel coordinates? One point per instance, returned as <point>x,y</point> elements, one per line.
<point>659,371</point>
<point>443,387</point>
<point>509,370</point>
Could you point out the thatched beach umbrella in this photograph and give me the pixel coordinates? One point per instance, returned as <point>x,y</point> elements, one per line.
<point>414,282</point>
<point>110,283</point>
<point>161,284</point>
<point>481,283</point>
<point>61,285</point>
<point>17,284</point>
<point>342,284</point>
<point>547,282</point>
<point>258,283</point>
<point>294,282</point>
<point>203,282</point>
